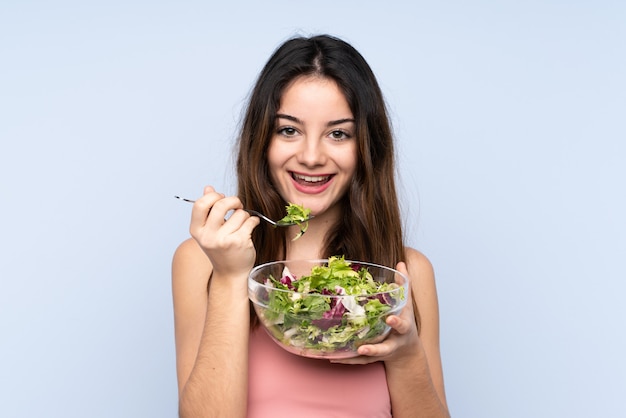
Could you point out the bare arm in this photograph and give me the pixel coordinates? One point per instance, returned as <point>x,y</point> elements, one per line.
<point>212,327</point>
<point>416,379</point>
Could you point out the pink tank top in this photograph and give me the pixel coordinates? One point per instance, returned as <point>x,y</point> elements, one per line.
<point>284,385</point>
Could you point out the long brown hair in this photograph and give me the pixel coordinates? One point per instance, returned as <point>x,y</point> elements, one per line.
<point>371,227</point>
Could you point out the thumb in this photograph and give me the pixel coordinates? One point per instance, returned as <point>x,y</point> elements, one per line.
<point>401,267</point>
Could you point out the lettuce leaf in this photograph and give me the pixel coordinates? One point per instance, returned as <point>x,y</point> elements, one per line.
<point>299,215</point>
<point>302,313</point>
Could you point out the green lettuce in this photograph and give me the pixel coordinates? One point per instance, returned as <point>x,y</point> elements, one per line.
<point>338,306</point>
<point>298,215</point>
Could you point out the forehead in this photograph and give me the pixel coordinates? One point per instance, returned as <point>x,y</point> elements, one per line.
<point>314,95</point>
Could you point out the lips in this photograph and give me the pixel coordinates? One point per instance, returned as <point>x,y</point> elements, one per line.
<point>310,180</point>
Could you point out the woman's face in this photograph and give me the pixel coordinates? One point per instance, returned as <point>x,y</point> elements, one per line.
<point>312,153</point>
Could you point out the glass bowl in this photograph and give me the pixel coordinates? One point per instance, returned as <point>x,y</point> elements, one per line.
<point>349,311</point>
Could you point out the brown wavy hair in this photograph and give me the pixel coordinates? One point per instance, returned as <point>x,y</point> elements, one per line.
<point>371,227</point>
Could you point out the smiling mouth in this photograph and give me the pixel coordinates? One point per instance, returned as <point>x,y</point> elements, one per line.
<point>310,180</point>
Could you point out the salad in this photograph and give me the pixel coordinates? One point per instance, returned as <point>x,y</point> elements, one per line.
<point>298,215</point>
<point>337,307</point>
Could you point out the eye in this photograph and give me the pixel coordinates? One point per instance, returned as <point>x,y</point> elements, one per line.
<point>339,135</point>
<point>287,131</point>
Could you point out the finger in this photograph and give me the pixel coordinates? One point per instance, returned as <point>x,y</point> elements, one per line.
<point>202,207</point>
<point>249,225</point>
<point>401,267</point>
<point>238,222</point>
<point>356,360</point>
<point>378,350</point>
<point>221,208</point>
<point>399,324</point>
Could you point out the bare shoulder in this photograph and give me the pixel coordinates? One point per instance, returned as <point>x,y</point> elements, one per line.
<point>190,260</point>
<point>191,270</point>
<point>189,250</point>
<point>424,291</point>
<point>419,267</point>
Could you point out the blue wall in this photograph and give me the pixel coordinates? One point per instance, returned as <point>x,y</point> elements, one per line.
<point>511,140</point>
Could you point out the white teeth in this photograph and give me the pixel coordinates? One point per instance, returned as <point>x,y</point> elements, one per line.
<point>311,179</point>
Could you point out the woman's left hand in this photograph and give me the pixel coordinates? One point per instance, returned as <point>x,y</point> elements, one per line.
<point>401,341</point>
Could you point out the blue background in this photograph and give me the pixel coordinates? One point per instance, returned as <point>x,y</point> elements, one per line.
<point>510,120</point>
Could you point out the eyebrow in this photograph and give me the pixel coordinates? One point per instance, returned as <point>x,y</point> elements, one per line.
<point>296,120</point>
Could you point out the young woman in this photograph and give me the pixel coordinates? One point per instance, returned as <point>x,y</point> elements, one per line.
<point>315,133</point>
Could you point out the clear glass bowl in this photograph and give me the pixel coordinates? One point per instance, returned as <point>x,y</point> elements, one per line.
<point>329,326</point>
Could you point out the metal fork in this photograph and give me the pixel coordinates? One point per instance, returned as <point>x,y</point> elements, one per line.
<point>260,215</point>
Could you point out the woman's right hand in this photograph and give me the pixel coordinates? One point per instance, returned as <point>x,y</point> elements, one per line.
<point>227,242</point>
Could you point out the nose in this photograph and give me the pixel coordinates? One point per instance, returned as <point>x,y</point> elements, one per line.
<point>312,152</point>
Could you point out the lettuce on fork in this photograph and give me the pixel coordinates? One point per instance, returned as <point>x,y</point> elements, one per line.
<point>298,215</point>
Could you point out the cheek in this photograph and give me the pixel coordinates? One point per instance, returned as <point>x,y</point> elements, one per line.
<point>349,161</point>
<point>275,160</point>
<point>271,154</point>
